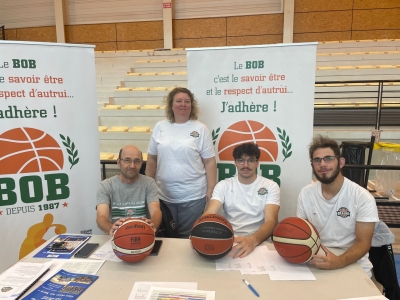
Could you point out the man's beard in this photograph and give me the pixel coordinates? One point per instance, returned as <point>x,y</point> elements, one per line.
<point>328,180</point>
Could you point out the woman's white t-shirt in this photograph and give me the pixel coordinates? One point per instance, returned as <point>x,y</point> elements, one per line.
<point>180,173</point>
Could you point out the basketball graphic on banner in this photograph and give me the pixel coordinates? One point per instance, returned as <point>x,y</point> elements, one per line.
<point>248,131</point>
<point>29,150</point>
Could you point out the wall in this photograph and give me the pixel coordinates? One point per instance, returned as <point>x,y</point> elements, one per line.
<point>322,20</point>
<point>326,20</point>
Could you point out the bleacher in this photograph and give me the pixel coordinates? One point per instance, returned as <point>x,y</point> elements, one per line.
<point>132,84</point>
<point>136,83</point>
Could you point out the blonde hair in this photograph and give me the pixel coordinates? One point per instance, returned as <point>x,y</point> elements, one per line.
<point>169,100</point>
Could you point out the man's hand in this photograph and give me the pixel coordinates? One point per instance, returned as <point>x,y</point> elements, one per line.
<point>148,221</point>
<point>116,225</point>
<point>245,245</point>
<point>328,262</point>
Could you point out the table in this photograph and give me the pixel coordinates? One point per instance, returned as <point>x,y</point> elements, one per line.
<point>178,262</point>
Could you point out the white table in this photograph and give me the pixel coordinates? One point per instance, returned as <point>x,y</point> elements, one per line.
<point>178,262</point>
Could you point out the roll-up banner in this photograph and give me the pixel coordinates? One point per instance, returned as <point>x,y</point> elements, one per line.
<point>262,94</point>
<point>49,144</point>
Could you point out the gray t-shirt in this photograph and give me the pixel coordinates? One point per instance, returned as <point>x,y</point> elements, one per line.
<point>127,200</point>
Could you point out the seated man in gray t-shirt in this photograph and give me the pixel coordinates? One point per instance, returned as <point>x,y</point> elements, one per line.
<point>127,195</point>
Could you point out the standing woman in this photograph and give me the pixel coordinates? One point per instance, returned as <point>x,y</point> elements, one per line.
<point>181,159</point>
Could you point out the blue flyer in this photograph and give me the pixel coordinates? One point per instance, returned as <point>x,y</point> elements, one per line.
<point>62,286</point>
<point>63,246</point>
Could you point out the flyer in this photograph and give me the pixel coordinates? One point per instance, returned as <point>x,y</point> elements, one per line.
<point>63,286</point>
<point>63,246</point>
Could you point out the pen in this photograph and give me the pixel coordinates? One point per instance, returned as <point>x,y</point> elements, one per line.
<point>251,287</point>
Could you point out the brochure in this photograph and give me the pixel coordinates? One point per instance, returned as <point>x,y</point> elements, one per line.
<point>62,286</point>
<point>63,246</point>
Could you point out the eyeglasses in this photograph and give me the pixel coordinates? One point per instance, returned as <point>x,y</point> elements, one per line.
<point>327,159</point>
<point>250,161</point>
<point>128,161</point>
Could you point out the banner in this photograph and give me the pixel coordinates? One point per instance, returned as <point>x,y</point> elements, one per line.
<point>49,144</point>
<point>262,94</point>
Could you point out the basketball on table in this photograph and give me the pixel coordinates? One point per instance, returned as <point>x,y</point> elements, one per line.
<point>212,236</point>
<point>296,240</point>
<point>133,240</point>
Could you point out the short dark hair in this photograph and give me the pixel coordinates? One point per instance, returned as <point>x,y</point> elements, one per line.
<point>250,149</point>
<point>323,142</point>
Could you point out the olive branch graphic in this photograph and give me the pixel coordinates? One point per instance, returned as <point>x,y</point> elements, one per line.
<point>215,134</point>
<point>73,154</point>
<point>285,143</point>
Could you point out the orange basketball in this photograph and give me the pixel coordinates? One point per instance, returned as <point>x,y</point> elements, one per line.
<point>133,240</point>
<point>296,240</point>
<point>29,150</point>
<point>248,131</point>
<point>212,236</point>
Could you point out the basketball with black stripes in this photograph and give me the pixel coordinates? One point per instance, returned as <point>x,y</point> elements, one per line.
<point>296,240</point>
<point>133,240</point>
<point>212,236</point>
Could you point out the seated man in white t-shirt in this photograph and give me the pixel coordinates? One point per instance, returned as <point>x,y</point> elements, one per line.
<point>343,212</point>
<point>251,202</point>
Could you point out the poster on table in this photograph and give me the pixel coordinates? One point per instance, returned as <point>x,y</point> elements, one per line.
<point>262,94</point>
<point>49,145</point>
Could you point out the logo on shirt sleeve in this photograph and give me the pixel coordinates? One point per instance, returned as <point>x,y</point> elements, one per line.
<point>195,134</point>
<point>343,212</point>
<point>262,191</point>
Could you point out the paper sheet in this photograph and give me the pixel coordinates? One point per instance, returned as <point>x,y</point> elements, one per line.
<point>141,288</point>
<point>80,266</point>
<point>157,293</point>
<point>263,261</point>
<point>280,269</point>
<point>105,252</point>
<point>19,277</point>
<point>254,263</point>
